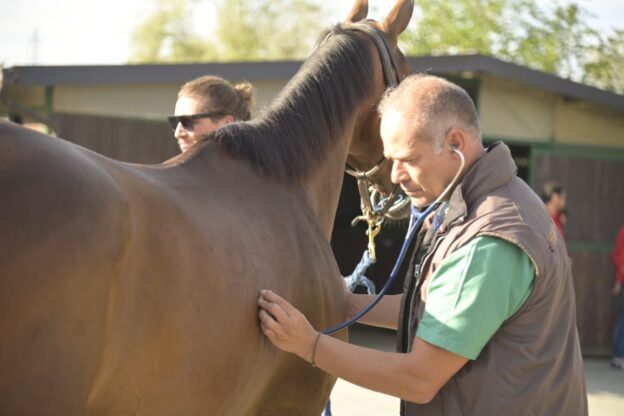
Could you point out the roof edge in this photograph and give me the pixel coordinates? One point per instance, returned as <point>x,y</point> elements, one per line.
<point>275,70</point>
<point>527,76</point>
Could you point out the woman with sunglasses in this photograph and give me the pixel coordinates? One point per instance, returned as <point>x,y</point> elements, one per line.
<point>206,104</point>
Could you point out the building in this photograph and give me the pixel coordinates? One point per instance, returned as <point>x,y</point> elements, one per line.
<point>556,128</point>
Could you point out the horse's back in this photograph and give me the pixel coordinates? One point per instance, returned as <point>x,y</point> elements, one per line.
<point>59,214</point>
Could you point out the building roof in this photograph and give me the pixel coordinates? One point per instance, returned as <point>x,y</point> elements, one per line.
<point>276,70</point>
<point>146,74</point>
<point>520,74</point>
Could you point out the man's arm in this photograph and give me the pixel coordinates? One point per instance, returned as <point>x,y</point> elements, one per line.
<point>494,279</point>
<point>385,314</point>
<point>416,376</point>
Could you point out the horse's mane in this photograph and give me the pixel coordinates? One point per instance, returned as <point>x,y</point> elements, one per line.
<point>313,110</point>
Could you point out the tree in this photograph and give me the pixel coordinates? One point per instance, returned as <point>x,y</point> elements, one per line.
<point>267,29</point>
<point>165,36</point>
<point>245,30</point>
<point>556,40</point>
<point>605,67</point>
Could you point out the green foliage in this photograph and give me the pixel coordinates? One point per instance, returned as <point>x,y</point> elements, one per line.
<point>554,38</point>
<point>557,39</point>
<point>605,67</point>
<point>443,27</point>
<point>267,29</point>
<point>245,30</point>
<point>165,36</point>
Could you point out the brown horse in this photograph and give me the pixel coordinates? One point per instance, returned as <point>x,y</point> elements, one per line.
<point>131,289</point>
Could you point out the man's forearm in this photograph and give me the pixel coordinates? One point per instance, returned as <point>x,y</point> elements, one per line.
<point>385,314</point>
<point>415,377</point>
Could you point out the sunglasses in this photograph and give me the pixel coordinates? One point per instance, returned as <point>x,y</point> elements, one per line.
<point>188,122</point>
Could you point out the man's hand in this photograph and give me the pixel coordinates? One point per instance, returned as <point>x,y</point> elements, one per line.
<point>616,289</point>
<point>285,326</point>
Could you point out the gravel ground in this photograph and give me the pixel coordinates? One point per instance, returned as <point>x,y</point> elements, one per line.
<point>605,385</point>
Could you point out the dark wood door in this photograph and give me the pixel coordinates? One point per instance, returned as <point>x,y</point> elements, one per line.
<point>594,181</point>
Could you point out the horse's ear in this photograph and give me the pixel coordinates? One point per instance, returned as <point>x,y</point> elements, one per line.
<point>398,18</point>
<point>358,12</point>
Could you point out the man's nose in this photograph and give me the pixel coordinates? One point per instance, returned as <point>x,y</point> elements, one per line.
<point>397,174</point>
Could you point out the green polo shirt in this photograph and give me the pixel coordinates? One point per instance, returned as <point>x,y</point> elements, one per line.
<point>473,292</point>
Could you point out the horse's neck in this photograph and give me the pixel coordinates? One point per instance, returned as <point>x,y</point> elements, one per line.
<point>323,186</point>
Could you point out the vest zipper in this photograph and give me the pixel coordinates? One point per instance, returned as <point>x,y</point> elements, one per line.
<point>416,289</point>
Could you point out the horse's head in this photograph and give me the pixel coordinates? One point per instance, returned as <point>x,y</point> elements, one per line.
<point>365,158</point>
<point>327,113</point>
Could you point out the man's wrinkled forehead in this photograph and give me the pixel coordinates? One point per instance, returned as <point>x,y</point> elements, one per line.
<point>399,133</point>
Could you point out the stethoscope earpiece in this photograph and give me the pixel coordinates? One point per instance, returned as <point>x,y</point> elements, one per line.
<point>454,149</point>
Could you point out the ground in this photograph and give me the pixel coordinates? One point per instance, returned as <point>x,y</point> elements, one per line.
<point>605,385</point>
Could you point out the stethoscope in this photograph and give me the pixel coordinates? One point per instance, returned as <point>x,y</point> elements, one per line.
<point>416,220</point>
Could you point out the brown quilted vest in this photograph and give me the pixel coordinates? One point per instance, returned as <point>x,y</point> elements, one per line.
<point>532,365</point>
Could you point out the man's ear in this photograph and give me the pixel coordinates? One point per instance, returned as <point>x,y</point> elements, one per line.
<point>456,140</point>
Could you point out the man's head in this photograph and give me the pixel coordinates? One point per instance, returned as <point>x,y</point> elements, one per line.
<point>422,120</point>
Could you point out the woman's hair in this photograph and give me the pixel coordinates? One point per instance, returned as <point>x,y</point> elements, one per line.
<point>217,94</point>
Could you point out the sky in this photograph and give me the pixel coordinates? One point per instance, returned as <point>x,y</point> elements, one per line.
<point>95,32</point>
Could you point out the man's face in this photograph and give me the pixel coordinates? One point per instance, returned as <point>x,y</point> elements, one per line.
<point>187,106</point>
<point>422,174</point>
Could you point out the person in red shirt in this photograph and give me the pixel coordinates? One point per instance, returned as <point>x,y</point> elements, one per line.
<point>554,197</point>
<point>617,256</point>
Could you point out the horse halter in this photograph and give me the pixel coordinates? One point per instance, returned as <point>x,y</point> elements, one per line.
<point>376,208</point>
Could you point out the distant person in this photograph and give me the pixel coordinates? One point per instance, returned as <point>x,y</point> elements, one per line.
<point>617,256</point>
<point>206,104</point>
<point>563,217</point>
<point>554,197</point>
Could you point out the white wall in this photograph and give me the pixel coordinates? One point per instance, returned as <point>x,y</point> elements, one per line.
<point>510,110</point>
<point>152,102</point>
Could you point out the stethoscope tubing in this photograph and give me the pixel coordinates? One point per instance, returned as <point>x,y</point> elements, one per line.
<point>415,224</point>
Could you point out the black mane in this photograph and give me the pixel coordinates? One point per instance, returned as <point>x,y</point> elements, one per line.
<point>313,110</point>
